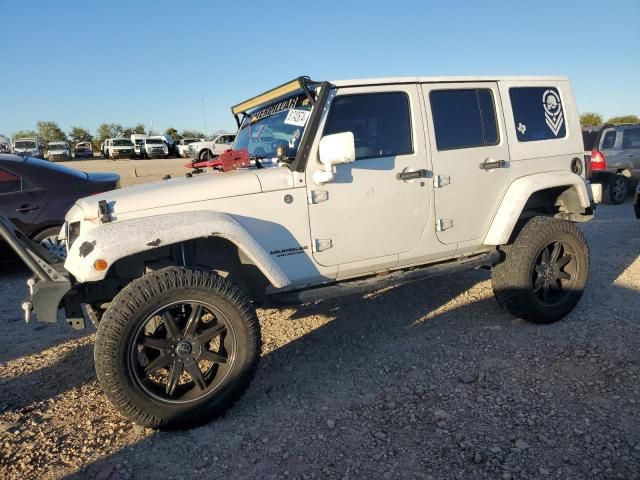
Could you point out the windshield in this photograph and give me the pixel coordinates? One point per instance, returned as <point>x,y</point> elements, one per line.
<point>83,145</point>
<point>281,123</point>
<point>154,141</point>
<point>189,141</point>
<point>25,144</point>
<point>122,142</point>
<point>57,146</point>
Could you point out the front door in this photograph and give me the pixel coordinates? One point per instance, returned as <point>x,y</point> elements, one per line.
<point>470,157</point>
<point>375,207</point>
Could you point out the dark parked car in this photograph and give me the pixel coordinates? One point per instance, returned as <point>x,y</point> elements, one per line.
<point>35,195</point>
<point>83,150</point>
<point>615,158</point>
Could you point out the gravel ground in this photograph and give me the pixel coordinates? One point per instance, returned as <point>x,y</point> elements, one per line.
<point>430,380</point>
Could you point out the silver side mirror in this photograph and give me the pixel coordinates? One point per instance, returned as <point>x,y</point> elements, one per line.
<point>334,150</point>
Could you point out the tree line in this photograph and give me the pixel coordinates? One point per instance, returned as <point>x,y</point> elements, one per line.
<point>51,132</point>
<point>591,119</point>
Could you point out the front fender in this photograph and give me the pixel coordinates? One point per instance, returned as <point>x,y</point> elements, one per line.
<point>519,192</point>
<point>114,241</point>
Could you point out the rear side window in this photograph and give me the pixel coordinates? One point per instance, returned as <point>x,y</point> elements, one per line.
<point>589,138</point>
<point>609,139</point>
<point>9,182</point>
<point>380,123</point>
<point>463,118</point>
<point>631,138</point>
<point>538,113</point>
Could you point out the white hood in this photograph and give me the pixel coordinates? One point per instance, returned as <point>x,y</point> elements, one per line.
<point>208,186</point>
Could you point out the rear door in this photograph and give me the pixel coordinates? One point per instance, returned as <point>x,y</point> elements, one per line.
<point>470,157</point>
<point>631,147</point>
<point>20,201</point>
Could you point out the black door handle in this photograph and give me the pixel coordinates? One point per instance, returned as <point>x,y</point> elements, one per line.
<point>26,208</point>
<point>492,165</point>
<point>412,175</point>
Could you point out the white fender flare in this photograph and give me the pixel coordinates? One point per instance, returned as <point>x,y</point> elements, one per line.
<point>519,192</point>
<point>120,239</point>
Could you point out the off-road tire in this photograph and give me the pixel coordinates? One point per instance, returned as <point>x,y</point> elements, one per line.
<point>131,307</point>
<point>617,189</point>
<point>512,279</point>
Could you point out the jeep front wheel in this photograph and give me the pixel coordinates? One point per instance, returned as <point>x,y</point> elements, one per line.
<point>544,271</point>
<point>177,347</point>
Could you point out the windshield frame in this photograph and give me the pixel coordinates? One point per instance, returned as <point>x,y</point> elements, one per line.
<point>275,132</point>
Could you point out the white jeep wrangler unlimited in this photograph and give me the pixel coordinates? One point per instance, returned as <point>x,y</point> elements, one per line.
<point>375,183</point>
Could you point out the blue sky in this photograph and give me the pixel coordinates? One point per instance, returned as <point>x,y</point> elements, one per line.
<point>82,63</point>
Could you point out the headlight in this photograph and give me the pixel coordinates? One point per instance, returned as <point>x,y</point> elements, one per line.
<point>73,233</point>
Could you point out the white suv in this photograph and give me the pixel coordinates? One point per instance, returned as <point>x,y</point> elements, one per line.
<point>208,149</point>
<point>376,183</point>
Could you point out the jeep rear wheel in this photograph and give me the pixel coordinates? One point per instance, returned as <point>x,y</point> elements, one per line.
<point>177,348</point>
<point>544,271</point>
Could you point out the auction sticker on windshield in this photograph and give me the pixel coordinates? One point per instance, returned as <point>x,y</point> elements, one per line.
<point>297,117</point>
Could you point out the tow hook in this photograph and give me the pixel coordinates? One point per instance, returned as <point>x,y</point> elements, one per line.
<point>27,307</point>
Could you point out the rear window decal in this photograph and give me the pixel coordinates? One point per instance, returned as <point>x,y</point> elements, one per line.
<point>553,111</point>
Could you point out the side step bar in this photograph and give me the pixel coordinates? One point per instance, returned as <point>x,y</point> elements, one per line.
<point>393,279</point>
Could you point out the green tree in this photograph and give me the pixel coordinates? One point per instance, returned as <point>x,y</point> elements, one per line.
<point>116,130</point>
<point>624,119</point>
<point>78,134</point>
<point>50,132</point>
<point>103,132</point>
<point>173,133</point>
<point>139,129</point>
<point>590,119</point>
<point>192,134</point>
<point>25,134</point>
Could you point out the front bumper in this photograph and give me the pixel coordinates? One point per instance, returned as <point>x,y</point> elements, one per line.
<point>122,153</point>
<point>51,287</point>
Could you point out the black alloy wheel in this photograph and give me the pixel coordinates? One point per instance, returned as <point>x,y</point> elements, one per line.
<point>183,351</point>
<point>618,189</point>
<point>554,273</point>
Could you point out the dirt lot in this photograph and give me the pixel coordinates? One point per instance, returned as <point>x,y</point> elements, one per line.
<point>431,380</point>
<point>134,171</point>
